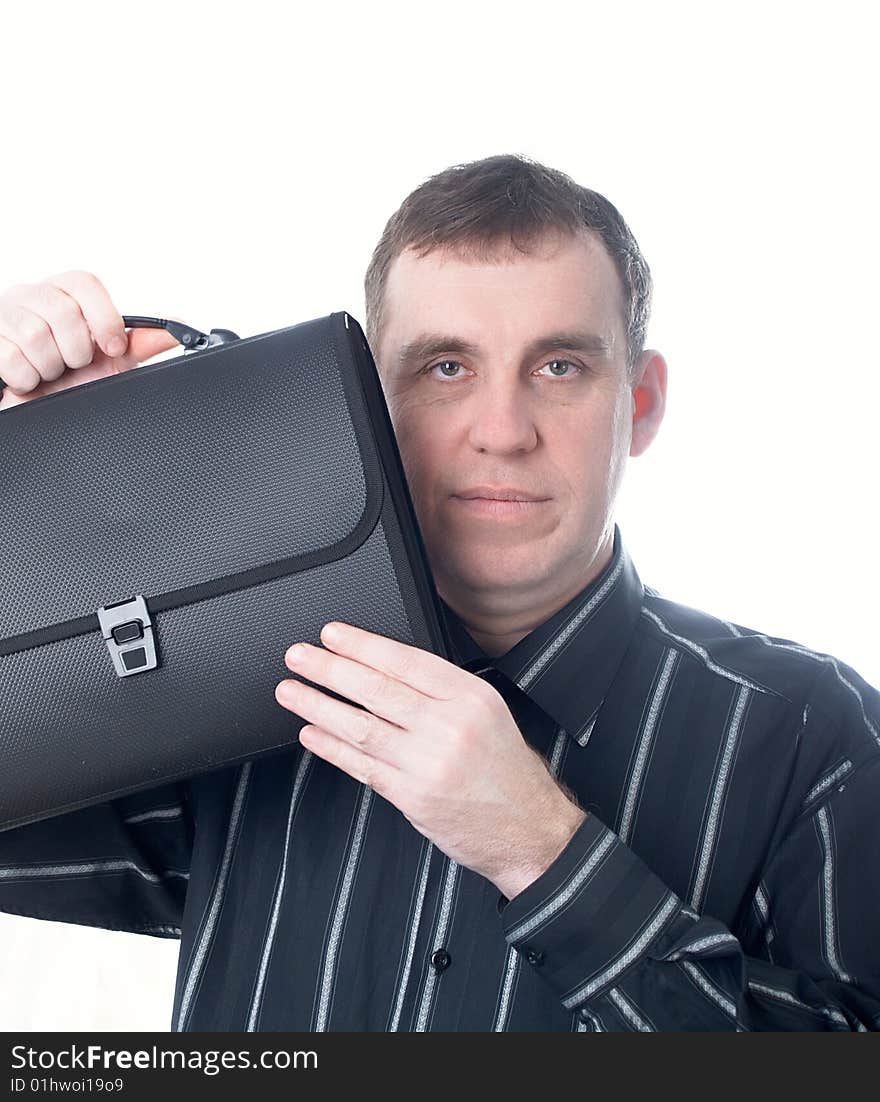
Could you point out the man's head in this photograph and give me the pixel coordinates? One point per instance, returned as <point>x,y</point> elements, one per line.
<point>507,309</point>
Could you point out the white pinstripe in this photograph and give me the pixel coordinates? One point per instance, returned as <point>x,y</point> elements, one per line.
<point>583,737</point>
<point>826,782</point>
<point>763,903</point>
<point>411,940</point>
<point>565,633</point>
<point>827,659</point>
<point>513,962</point>
<point>598,1027</point>
<point>48,872</point>
<point>829,917</point>
<point>787,997</point>
<point>649,932</point>
<point>328,975</point>
<point>698,975</point>
<point>703,943</point>
<point>213,910</point>
<point>647,737</point>
<point>703,655</point>
<point>303,766</point>
<point>569,889</point>
<point>158,813</point>
<point>762,906</point>
<point>450,881</point>
<point>629,1011</point>
<point>719,792</point>
<point>511,972</point>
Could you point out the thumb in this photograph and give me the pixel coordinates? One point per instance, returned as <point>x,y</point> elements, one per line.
<point>145,343</point>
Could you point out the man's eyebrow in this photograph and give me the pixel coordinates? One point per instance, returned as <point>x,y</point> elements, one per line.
<point>427,345</point>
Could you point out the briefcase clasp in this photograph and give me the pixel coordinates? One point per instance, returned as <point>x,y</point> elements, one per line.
<point>128,633</point>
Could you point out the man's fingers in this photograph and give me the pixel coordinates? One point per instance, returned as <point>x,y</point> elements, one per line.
<point>428,673</point>
<point>33,334</point>
<point>103,319</point>
<point>16,371</point>
<point>69,340</point>
<point>385,696</point>
<point>357,726</point>
<point>351,760</point>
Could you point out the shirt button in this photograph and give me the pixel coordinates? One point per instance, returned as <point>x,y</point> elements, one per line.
<point>440,960</point>
<point>535,956</point>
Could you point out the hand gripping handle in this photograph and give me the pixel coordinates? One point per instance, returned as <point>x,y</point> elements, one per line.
<point>192,339</point>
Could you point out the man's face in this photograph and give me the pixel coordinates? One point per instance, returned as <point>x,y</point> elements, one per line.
<point>510,410</point>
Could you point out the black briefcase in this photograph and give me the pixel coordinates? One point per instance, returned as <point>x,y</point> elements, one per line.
<point>167,533</point>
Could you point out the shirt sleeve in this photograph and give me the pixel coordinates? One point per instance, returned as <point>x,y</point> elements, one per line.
<point>624,952</point>
<point>121,865</point>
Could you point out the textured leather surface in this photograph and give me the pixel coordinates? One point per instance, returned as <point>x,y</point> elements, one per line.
<point>64,708</point>
<point>176,474</point>
<point>215,463</point>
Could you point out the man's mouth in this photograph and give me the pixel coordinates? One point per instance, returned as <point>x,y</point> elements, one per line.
<point>498,493</point>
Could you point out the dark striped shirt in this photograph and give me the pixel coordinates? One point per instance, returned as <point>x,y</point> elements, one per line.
<point>725,877</point>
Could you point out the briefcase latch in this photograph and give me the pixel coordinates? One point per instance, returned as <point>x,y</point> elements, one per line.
<point>128,633</point>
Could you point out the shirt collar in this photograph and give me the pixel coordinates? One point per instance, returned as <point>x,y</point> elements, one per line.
<point>567,663</point>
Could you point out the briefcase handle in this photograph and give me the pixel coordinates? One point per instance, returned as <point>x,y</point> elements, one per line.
<point>193,340</point>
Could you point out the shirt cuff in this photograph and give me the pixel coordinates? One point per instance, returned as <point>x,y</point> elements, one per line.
<point>592,915</point>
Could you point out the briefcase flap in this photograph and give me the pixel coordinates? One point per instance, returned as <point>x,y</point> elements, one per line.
<point>183,478</point>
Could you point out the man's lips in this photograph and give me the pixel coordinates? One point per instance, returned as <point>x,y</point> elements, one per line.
<point>498,493</point>
<point>497,508</point>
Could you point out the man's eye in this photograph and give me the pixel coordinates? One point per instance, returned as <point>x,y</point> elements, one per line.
<point>446,374</point>
<point>563,363</point>
<point>443,364</point>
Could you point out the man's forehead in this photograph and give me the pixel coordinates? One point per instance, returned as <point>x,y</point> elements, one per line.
<point>563,285</point>
<point>547,248</point>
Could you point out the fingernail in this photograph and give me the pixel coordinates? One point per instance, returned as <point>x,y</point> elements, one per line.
<point>116,346</point>
<point>286,689</point>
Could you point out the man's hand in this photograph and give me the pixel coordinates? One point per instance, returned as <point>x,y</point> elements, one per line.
<point>65,331</point>
<point>437,742</point>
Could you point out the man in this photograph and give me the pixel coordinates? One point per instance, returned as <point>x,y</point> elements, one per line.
<point>624,814</point>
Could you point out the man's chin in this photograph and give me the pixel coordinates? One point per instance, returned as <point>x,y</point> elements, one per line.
<point>492,571</point>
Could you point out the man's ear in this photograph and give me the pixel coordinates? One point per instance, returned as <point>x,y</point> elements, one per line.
<point>648,399</point>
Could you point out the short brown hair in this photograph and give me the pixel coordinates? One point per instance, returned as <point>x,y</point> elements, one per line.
<point>507,199</point>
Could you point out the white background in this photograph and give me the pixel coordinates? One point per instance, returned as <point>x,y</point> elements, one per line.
<point>235,165</point>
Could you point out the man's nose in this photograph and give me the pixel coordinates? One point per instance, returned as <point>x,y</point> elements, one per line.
<point>501,420</point>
